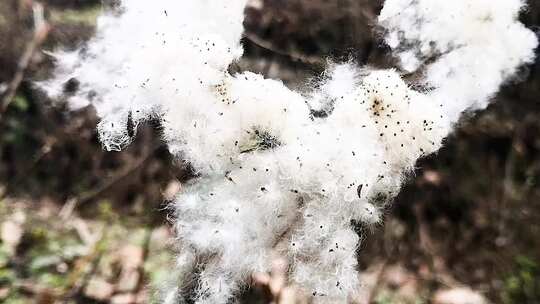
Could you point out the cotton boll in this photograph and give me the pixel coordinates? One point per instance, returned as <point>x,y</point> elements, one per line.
<point>477,46</point>
<point>338,153</point>
<point>338,80</point>
<point>324,286</point>
<point>113,132</point>
<point>478,70</point>
<point>256,105</point>
<point>367,213</point>
<point>177,51</point>
<point>330,275</point>
<point>407,123</point>
<point>268,105</point>
<point>342,79</point>
<point>66,62</point>
<point>171,296</point>
<point>323,249</point>
<point>409,61</point>
<point>463,22</point>
<point>216,285</point>
<point>326,178</point>
<point>220,222</point>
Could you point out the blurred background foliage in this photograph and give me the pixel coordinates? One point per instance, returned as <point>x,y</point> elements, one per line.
<point>80,225</point>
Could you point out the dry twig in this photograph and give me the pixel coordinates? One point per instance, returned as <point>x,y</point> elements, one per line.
<point>41,31</point>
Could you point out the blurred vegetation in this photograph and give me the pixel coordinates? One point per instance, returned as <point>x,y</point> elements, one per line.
<point>80,225</point>
<point>523,286</point>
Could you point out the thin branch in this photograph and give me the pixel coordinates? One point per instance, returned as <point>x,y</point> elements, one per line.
<point>294,56</point>
<point>90,195</point>
<point>41,31</point>
<point>372,291</point>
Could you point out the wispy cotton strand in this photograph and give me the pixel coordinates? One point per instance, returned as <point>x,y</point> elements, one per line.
<point>278,170</point>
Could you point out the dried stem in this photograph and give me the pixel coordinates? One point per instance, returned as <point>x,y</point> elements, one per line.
<point>41,31</point>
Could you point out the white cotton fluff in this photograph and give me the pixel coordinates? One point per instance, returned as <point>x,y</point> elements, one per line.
<point>152,53</point>
<point>478,44</point>
<point>278,170</point>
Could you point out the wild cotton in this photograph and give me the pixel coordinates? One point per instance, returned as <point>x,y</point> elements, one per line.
<point>279,170</point>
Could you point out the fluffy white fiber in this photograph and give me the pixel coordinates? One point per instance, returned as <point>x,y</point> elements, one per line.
<point>478,45</point>
<point>272,176</point>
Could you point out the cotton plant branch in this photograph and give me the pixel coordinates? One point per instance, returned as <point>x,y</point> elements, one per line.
<point>40,33</point>
<point>279,170</point>
<point>295,56</point>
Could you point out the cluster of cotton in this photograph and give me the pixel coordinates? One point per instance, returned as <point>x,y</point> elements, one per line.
<point>274,178</point>
<point>475,44</point>
<point>150,53</point>
<point>276,170</point>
